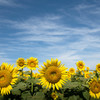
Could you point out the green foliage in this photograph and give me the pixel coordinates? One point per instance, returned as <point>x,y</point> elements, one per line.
<point>72,97</point>
<point>21,86</point>
<point>1,97</point>
<point>86,95</point>
<point>71,85</point>
<point>16,91</point>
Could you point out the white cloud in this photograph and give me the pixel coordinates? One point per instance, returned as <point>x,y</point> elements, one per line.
<point>10,3</point>
<point>84,6</point>
<point>5,59</point>
<point>5,2</point>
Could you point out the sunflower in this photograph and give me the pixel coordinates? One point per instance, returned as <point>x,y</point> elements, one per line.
<point>8,77</point>
<point>54,95</point>
<point>94,87</point>
<point>80,65</point>
<point>86,75</point>
<point>87,68</point>
<point>72,71</point>
<point>53,74</point>
<point>98,68</point>
<point>21,62</point>
<point>32,63</point>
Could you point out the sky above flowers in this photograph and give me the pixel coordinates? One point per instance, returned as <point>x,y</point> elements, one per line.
<point>65,29</point>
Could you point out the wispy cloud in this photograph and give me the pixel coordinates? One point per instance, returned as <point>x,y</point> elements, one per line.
<point>4,58</point>
<point>11,3</point>
<point>87,14</point>
<point>84,6</point>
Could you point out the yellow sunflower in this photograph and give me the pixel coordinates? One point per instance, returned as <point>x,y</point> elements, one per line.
<point>86,75</point>
<point>72,71</point>
<point>53,74</point>
<point>80,65</point>
<point>21,62</point>
<point>8,77</point>
<point>94,87</point>
<point>98,68</point>
<point>32,63</point>
<point>54,95</point>
<point>87,68</point>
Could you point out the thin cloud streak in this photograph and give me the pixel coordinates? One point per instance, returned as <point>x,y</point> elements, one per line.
<point>10,3</point>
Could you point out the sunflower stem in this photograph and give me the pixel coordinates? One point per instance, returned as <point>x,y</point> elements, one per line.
<point>31,84</point>
<point>31,74</point>
<point>22,71</point>
<point>32,88</point>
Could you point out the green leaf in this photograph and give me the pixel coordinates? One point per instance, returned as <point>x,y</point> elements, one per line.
<point>38,96</point>
<point>84,85</point>
<point>82,79</point>
<point>61,96</point>
<point>25,94</point>
<point>22,86</point>
<point>71,85</point>
<point>86,95</point>
<point>36,80</point>
<point>15,91</point>
<point>32,80</point>
<point>72,97</point>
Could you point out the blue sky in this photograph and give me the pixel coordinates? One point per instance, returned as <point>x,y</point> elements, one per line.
<point>65,29</point>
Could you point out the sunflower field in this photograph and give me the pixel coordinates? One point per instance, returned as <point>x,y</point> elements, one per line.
<point>53,82</point>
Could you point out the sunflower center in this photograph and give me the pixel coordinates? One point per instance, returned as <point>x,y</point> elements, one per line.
<point>53,74</point>
<point>5,78</point>
<point>21,63</point>
<point>53,95</point>
<point>32,63</point>
<point>72,71</point>
<point>1,78</point>
<point>81,66</point>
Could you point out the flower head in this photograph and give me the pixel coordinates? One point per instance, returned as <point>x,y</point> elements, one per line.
<point>8,77</point>
<point>72,71</point>
<point>54,95</point>
<point>21,62</point>
<point>98,68</point>
<point>86,75</point>
<point>80,65</point>
<point>94,87</point>
<point>32,63</point>
<point>53,75</point>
